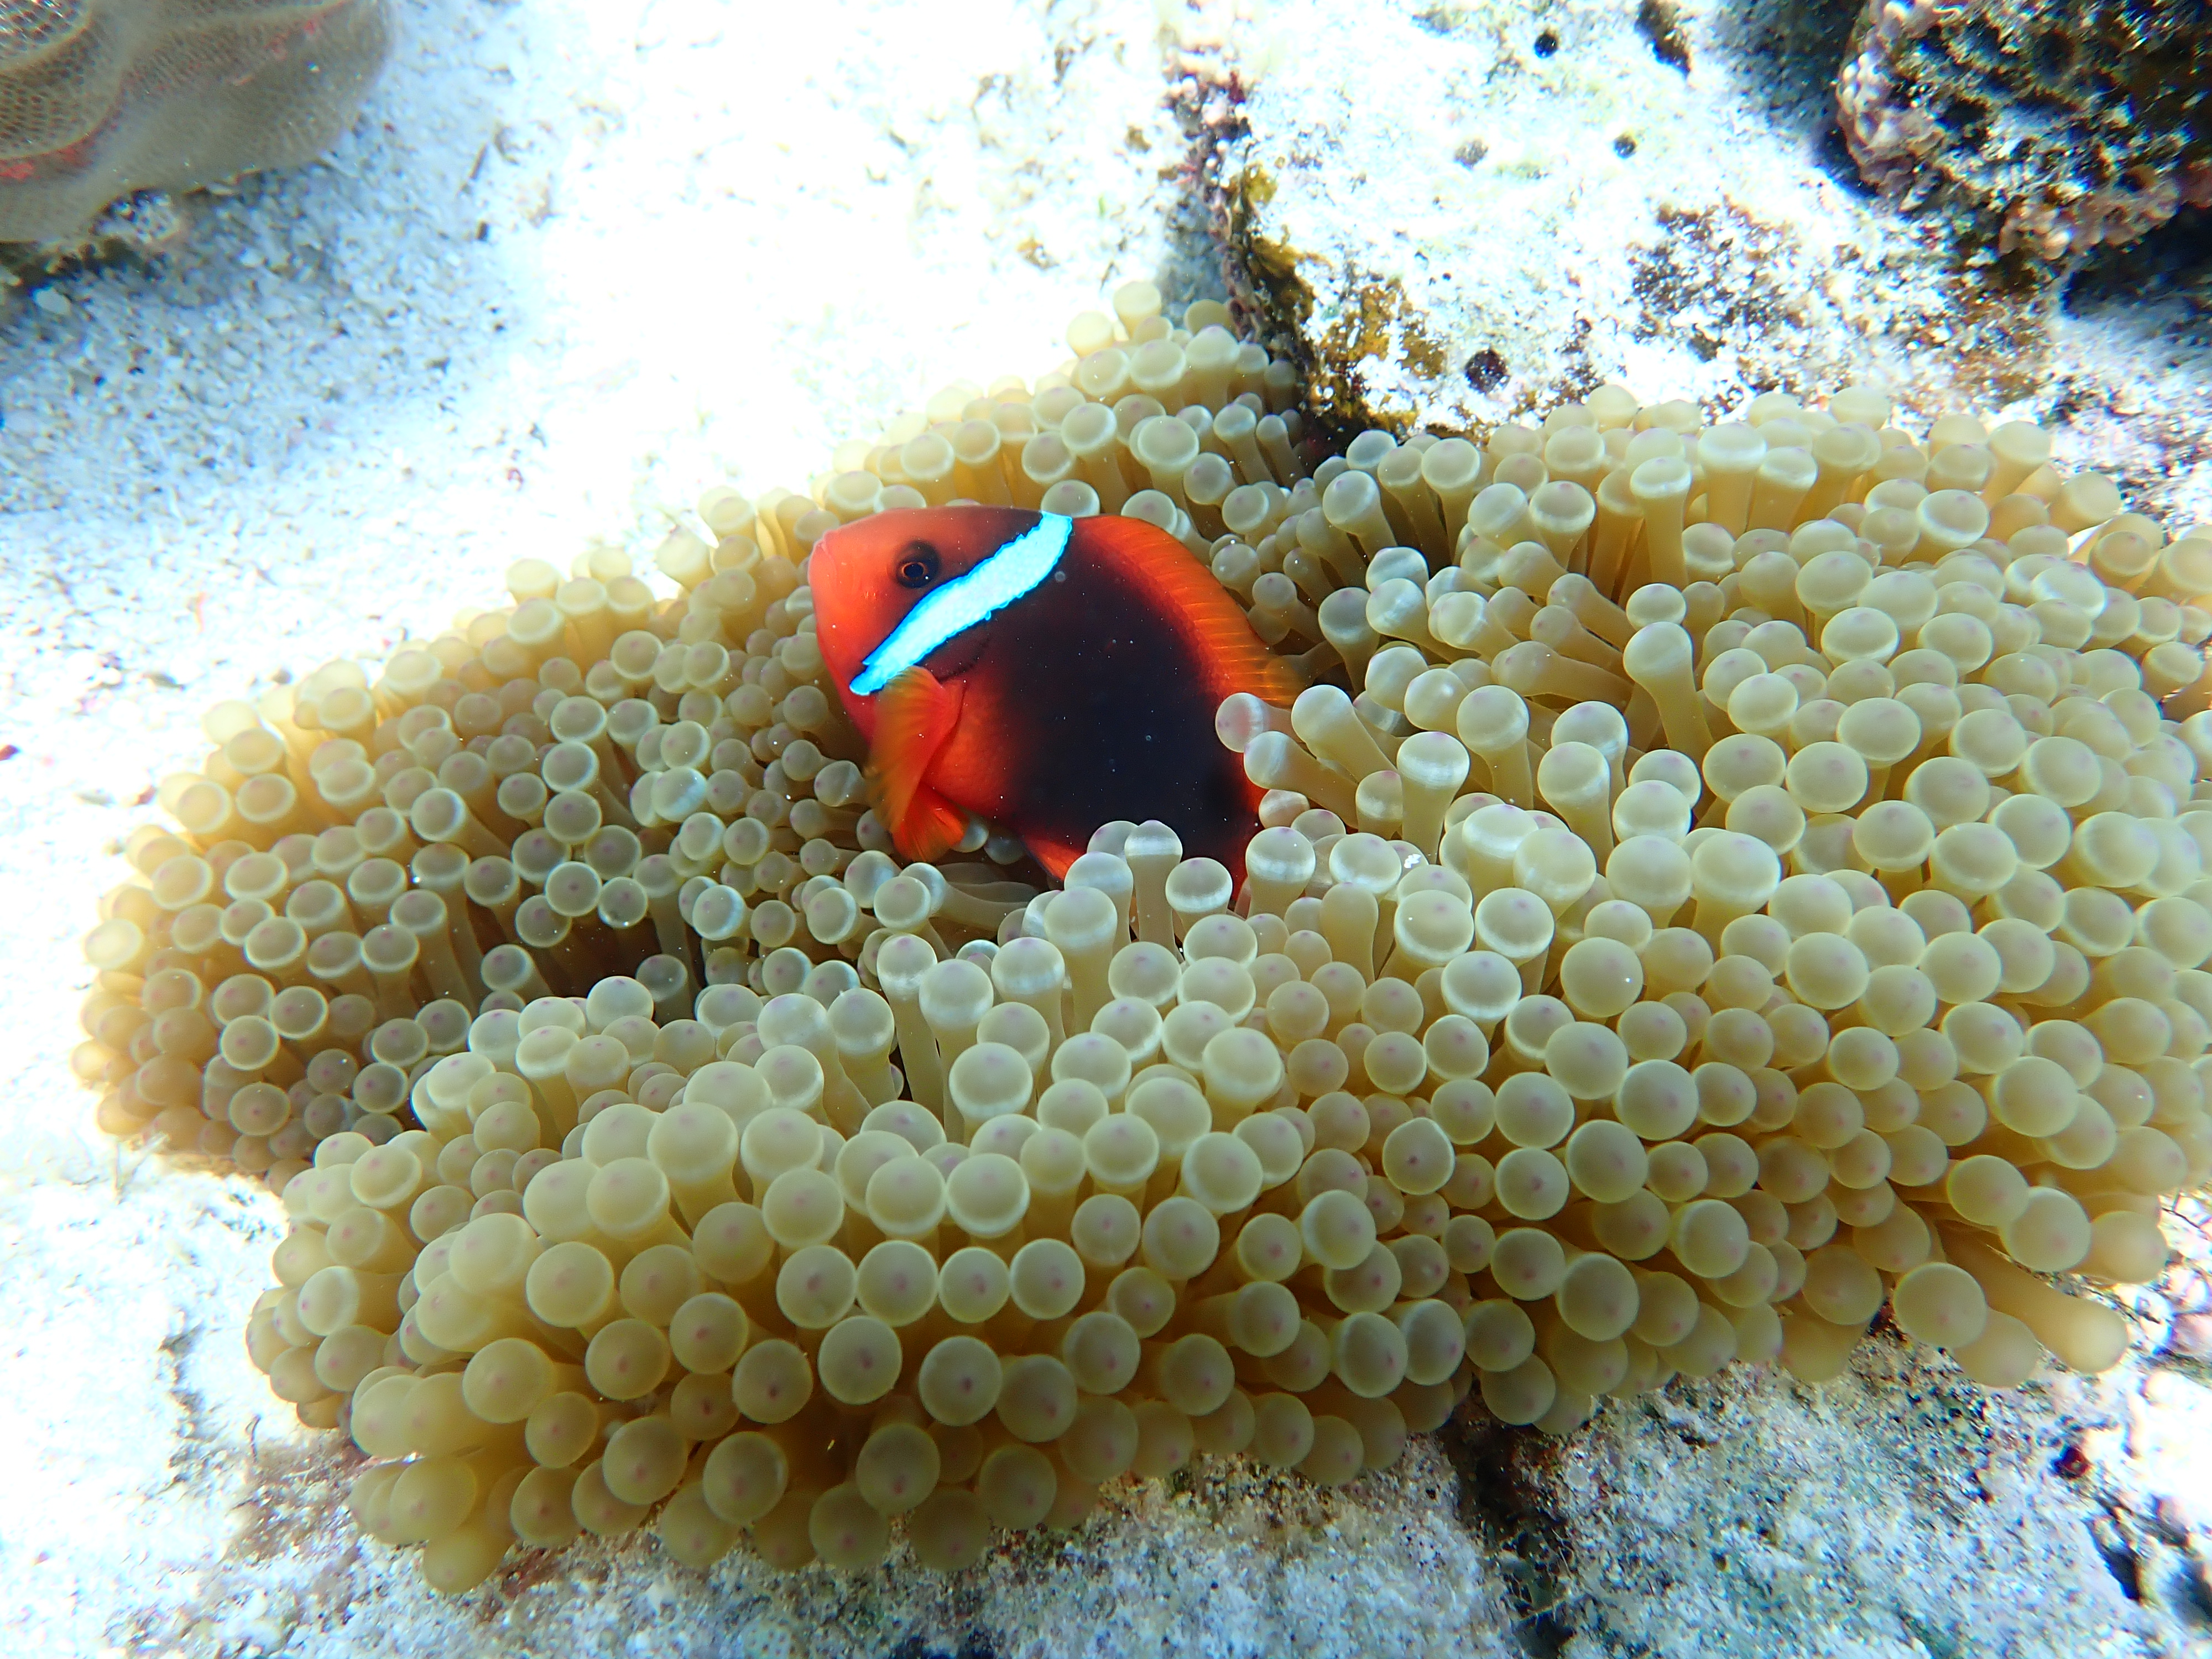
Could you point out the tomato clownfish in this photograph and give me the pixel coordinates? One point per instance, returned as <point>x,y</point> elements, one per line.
<point>1047,674</point>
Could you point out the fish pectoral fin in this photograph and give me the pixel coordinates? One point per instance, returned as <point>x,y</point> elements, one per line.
<point>931,828</point>
<point>915,715</point>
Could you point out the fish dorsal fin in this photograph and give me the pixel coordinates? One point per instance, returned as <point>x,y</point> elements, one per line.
<point>1227,649</point>
<point>915,714</point>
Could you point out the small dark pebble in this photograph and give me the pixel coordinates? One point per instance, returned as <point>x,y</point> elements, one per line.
<point>1486,370</point>
<point>1546,44</point>
<point>1624,147</point>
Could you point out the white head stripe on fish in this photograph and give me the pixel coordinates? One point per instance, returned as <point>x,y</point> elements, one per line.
<point>974,597</point>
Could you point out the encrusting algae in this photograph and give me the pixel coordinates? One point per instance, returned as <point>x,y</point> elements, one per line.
<point>1720,880</point>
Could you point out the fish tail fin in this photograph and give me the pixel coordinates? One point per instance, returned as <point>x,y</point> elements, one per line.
<point>915,715</point>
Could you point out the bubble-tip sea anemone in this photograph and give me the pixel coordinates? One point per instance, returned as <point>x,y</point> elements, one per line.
<point>1618,988</point>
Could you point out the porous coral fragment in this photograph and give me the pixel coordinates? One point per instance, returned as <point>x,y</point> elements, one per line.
<point>652,1138</point>
<point>2075,125</point>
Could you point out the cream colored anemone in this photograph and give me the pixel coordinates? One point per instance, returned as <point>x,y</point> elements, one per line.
<point>1723,879</point>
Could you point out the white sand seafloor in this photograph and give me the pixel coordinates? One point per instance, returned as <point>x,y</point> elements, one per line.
<point>1582,190</point>
<point>575,263</point>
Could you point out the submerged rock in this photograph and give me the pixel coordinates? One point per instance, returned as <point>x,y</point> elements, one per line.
<point>99,99</point>
<point>2069,125</point>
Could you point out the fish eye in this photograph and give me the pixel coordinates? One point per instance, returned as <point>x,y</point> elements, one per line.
<point>918,567</point>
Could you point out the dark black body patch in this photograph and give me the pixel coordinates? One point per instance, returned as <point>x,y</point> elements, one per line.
<point>1108,716</point>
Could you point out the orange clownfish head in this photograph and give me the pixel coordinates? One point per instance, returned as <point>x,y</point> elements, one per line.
<point>917,588</point>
